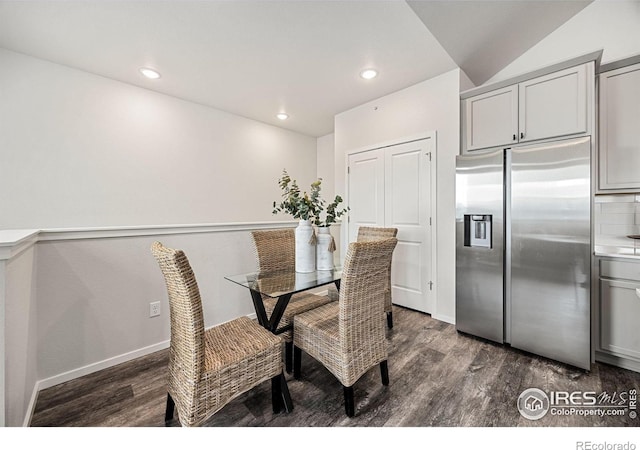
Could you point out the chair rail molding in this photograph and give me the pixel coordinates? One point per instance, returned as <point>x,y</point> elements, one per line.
<point>63,234</point>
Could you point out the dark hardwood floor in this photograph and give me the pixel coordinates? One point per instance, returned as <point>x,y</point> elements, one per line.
<point>438,378</point>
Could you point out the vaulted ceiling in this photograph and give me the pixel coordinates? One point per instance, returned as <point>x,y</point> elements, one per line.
<point>258,58</point>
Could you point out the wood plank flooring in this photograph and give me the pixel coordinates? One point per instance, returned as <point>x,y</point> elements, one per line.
<point>438,378</point>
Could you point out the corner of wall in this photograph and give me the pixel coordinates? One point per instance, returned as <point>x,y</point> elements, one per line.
<point>465,81</point>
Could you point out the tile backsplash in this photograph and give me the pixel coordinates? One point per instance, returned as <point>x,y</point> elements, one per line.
<point>616,217</point>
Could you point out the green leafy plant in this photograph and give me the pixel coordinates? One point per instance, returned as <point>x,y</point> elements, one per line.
<point>298,204</point>
<point>305,206</point>
<point>333,212</point>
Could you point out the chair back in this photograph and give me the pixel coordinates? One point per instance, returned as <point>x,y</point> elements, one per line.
<point>368,234</point>
<point>362,292</point>
<point>275,250</point>
<point>187,348</point>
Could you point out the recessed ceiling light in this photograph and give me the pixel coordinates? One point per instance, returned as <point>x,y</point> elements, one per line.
<point>368,74</point>
<point>150,73</point>
<point>282,116</point>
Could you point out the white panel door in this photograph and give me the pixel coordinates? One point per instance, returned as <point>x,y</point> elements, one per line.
<point>366,191</point>
<point>391,187</point>
<point>408,208</point>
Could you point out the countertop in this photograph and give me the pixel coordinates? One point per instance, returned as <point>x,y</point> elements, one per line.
<point>617,252</point>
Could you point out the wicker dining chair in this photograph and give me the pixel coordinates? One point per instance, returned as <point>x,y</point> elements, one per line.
<point>368,234</point>
<point>348,338</point>
<point>275,252</point>
<point>209,368</point>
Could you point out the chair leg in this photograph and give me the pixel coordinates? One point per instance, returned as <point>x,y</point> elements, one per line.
<point>168,415</point>
<point>349,405</point>
<point>297,362</point>
<point>276,394</point>
<point>390,319</point>
<point>286,397</point>
<point>384,372</point>
<point>288,356</point>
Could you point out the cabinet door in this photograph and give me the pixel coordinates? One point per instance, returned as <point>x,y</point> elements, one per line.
<point>619,149</point>
<point>553,105</point>
<point>491,119</point>
<point>619,312</point>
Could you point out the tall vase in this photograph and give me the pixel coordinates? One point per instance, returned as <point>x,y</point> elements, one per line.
<point>305,247</point>
<point>325,248</point>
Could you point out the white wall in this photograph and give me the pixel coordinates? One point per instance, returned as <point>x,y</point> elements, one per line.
<point>326,170</point>
<point>431,105</point>
<point>613,26</point>
<point>94,294</point>
<point>80,150</point>
<point>325,164</point>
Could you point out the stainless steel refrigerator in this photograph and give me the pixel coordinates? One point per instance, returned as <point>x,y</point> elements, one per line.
<point>523,248</point>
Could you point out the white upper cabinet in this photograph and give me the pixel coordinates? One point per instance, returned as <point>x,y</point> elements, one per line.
<point>619,149</point>
<point>491,119</point>
<point>552,105</point>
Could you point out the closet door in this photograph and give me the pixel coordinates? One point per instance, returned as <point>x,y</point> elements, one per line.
<point>408,208</point>
<point>366,191</point>
<point>391,187</point>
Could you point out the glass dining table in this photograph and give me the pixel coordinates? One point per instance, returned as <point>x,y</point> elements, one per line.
<point>281,285</point>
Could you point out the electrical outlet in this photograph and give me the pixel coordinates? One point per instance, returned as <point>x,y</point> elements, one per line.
<point>154,309</point>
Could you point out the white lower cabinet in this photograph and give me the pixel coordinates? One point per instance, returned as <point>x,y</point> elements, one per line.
<point>618,322</point>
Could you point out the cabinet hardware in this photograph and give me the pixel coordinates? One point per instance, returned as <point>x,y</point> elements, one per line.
<point>521,135</point>
<point>514,137</point>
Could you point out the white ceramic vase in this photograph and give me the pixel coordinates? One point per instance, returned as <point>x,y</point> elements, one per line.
<point>325,248</point>
<point>305,247</point>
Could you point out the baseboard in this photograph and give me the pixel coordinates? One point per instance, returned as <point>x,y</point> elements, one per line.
<point>444,318</point>
<point>624,363</point>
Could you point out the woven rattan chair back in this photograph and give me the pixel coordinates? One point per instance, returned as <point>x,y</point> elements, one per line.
<point>361,302</point>
<point>275,250</point>
<point>187,349</point>
<point>370,234</point>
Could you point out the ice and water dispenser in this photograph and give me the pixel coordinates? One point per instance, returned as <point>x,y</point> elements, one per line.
<point>477,230</point>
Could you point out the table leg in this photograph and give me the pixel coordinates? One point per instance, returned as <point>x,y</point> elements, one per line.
<point>286,397</point>
<point>278,311</point>
<point>258,304</point>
